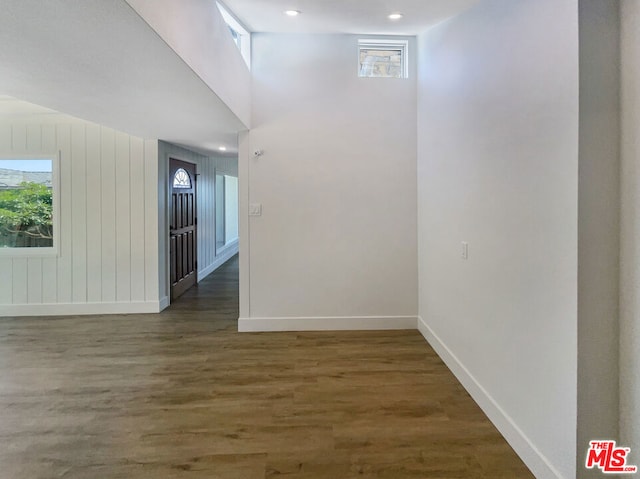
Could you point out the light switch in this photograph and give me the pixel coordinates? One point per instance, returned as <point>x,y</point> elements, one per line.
<point>255,209</point>
<point>465,250</point>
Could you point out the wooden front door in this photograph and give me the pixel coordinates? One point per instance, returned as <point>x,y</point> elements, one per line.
<point>183,223</point>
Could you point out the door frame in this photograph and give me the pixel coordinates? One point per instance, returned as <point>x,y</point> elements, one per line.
<point>164,197</point>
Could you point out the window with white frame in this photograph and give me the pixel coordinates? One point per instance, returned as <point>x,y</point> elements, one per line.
<point>241,36</point>
<point>28,205</point>
<point>382,59</point>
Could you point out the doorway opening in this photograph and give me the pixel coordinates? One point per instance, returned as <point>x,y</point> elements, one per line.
<point>202,218</point>
<point>226,211</point>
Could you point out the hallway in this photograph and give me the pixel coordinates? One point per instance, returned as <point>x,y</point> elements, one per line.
<point>217,295</point>
<point>182,394</point>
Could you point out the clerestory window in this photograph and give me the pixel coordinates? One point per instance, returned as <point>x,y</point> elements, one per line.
<point>382,59</point>
<point>241,36</point>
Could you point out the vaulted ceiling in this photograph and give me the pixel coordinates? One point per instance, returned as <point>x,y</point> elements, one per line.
<point>100,61</point>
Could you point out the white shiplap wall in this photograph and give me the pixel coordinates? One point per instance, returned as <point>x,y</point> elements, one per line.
<point>206,168</point>
<point>108,256</point>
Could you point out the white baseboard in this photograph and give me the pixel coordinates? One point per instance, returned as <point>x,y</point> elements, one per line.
<point>73,309</point>
<point>164,303</point>
<point>529,454</point>
<point>225,255</point>
<point>354,323</point>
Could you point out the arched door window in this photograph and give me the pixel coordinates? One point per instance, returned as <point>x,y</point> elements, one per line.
<point>181,179</point>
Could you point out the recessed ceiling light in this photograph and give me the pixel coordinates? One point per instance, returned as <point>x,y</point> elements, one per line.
<point>395,16</point>
<point>292,13</point>
<point>223,148</point>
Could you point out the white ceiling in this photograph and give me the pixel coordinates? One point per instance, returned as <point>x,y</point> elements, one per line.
<point>10,108</point>
<point>99,61</point>
<point>345,16</point>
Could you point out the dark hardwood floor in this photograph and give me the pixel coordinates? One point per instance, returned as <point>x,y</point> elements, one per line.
<point>181,394</point>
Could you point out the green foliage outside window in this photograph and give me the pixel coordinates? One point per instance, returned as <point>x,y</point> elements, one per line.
<point>26,216</point>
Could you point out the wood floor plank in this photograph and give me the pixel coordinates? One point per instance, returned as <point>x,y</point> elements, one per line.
<point>182,394</point>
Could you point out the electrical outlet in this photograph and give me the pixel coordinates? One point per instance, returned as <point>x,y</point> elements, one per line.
<point>465,250</point>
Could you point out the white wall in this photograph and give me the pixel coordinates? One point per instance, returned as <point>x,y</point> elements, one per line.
<point>630,231</point>
<point>335,246</point>
<point>196,31</point>
<point>208,260</point>
<point>108,259</point>
<point>598,226</point>
<point>243,223</point>
<point>498,168</point>
<point>231,209</point>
